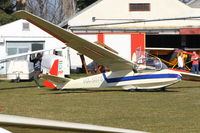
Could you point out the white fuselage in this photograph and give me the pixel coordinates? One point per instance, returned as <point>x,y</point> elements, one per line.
<point>127,80</point>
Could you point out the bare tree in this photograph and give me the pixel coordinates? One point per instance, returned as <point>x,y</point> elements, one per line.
<point>69,7</point>
<point>54,11</point>
<point>20,4</point>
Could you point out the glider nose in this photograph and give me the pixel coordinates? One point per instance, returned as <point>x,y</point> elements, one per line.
<point>176,76</point>
<point>179,76</point>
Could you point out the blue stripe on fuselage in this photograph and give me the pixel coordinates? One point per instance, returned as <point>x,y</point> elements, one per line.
<point>139,77</point>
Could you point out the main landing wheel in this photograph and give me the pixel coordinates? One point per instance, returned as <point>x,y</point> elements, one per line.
<point>163,89</point>
<point>133,90</point>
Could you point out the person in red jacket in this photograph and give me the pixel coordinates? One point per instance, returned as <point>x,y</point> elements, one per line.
<point>195,63</point>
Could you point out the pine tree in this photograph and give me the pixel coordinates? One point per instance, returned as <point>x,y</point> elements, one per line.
<point>81,4</point>
<point>7,7</point>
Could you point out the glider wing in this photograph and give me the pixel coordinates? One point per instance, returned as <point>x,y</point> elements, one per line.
<point>91,50</point>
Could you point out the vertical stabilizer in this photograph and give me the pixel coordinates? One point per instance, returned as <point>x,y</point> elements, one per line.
<point>53,71</point>
<point>55,77</point>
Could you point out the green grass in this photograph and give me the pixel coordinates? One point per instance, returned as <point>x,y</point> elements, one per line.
<point>175,111</point>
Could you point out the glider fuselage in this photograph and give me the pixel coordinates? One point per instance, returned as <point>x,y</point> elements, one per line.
<point>127,80</point>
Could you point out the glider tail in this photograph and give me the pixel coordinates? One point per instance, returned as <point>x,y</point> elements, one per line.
<point>55,79</point>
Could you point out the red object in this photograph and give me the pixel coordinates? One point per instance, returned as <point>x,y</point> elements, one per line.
<point>195,61</point>
<point>184,52</point>
<point>189,31</point>
<point>179,70</point>
<point>138,44</point>
<point>1,108</point>
<point>100,37</point>
<point>53,71</point>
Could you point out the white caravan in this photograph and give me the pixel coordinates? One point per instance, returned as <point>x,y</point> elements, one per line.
<point>20,68</point>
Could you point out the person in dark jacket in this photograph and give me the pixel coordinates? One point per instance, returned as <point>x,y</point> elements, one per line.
<point>37,67</point>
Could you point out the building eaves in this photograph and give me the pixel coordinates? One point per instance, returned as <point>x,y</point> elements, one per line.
<point>149,30</point>
<point>125,30</point>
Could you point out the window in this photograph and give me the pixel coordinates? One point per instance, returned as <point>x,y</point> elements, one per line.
<point>139,7</point>
<point>25,26</point>
<point>14,48</point>
<point>12,51</point>
<point>37,46</point>
<point>17,47</point>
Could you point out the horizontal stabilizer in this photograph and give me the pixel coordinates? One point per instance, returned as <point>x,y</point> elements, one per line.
<point>58,81</point>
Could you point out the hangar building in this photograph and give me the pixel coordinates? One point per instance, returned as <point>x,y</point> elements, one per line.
<point>121,24</point>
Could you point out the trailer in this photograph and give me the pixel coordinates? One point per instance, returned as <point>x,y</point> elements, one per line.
<point>20,70</point>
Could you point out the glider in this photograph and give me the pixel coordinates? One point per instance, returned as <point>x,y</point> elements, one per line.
<point>123,74</point>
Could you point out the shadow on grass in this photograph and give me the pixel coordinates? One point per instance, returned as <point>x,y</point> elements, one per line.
<point>11,84</point>
<point>84,91</point>
<point>9,88</point>
<point>181,87</point>
<point>67,91</point>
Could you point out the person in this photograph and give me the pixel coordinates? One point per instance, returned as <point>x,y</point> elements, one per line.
<point>37,67</point>
<point>164,66</point>
<point>181,61</point>
<point>195,63</point>
<point>157,64</point>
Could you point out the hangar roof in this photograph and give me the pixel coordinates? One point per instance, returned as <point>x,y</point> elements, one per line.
<point>105,11</point>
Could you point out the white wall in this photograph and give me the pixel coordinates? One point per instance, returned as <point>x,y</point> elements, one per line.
<point>121,43</point>
<point>15,29</point>
<point>14,32</point>
<point>119,9</point>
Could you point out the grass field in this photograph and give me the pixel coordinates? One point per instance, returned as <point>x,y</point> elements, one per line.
<point>175,111</point>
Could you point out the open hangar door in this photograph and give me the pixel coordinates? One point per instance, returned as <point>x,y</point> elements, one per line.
<point>173,41</point>
<point>165,47</point>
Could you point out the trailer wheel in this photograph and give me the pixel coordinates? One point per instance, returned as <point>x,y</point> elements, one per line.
<point>163,89</point>
<point>17,80</point>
